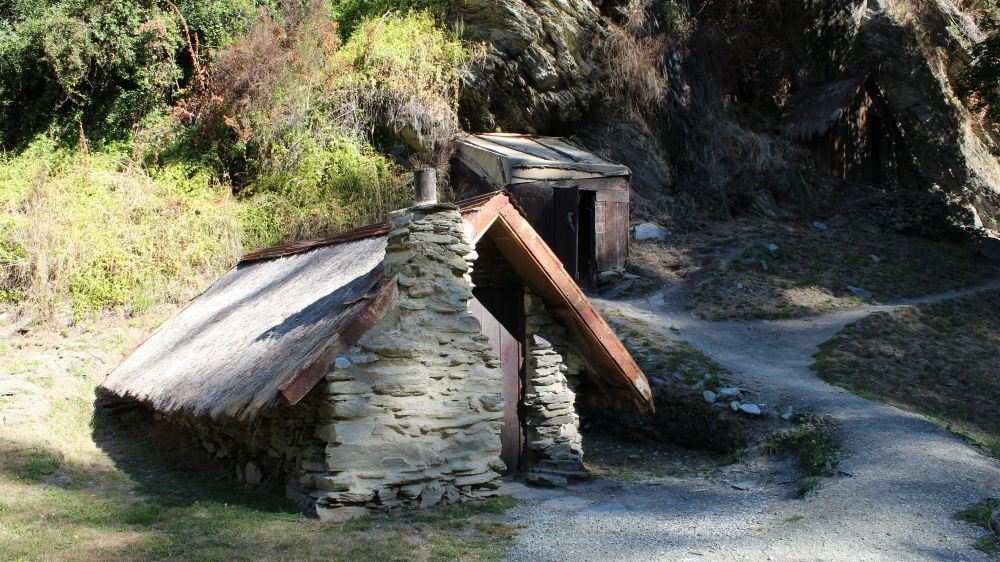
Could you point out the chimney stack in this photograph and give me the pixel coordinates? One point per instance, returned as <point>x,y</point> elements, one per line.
<point>425,182</point>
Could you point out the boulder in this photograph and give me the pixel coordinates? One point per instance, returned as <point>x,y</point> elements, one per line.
<point>751,409</point>
<point>858,291</point>
<point>730,393</point>
<point>709,396</point>
<point>650,231</point>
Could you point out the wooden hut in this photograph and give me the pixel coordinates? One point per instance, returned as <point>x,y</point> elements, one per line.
<point>409,363</point>
<point>577,200</point>
<point>848,126</point>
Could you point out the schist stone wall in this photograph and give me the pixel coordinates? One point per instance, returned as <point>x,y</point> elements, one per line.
<point>414,413</point>
<point>271,451</point>
<point>555,448</point>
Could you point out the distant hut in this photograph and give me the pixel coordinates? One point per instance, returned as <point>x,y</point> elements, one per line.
<point>848,126</point>
<point>409,363</point>
<point>577,200</point>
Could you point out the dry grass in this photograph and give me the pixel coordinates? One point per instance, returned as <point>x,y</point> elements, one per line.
<point>940,360</point>
<point>64,497</point>
<point>635,76</point>
<point>721,271</point>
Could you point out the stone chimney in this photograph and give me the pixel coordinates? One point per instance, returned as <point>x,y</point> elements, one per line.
<point>425,185</point>
<point>417,417</point>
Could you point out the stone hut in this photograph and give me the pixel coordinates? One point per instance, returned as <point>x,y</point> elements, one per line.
<point>409,363</point>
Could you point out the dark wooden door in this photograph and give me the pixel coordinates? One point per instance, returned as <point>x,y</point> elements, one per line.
<point>501,314</point>
<point>566,228</point>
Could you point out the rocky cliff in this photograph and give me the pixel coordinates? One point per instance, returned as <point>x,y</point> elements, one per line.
<point>707,147</point>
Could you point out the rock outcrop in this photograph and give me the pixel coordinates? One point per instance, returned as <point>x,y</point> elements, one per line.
<point>538,73</point>
<point>708,148</point>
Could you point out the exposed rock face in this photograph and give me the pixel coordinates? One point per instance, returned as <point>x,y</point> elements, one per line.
<point>708,148</point>
<point>945,150</point>
<point>553,441</point>
<point>537,73</point>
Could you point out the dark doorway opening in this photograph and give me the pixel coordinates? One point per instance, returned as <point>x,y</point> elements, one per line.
<point>587,248</point>
<point>498,304</point>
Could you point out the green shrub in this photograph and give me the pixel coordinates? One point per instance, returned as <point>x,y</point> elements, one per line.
<point>101,66</point>
<point>350,14</point>
<point>94,231</point>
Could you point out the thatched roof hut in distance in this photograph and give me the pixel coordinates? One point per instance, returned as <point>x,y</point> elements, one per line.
<point>406,363</point>
<point>848,126</point>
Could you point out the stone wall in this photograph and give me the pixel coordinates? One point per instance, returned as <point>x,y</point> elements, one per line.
<point>553,441</point>
<point>413,413</point>
<point>272,451</point>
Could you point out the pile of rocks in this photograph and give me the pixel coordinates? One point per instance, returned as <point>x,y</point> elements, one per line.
<point>732,397</point>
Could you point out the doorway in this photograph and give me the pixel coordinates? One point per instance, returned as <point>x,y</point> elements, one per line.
<point>574,233</point>
<point>500,312</point>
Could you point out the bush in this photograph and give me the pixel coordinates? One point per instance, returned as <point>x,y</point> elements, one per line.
<point>70,66</point>
<point>92,231</point>
<point>350,14</point>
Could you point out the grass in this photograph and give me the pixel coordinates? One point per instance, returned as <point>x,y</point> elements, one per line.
<point>818,450</point>
<point>979,514</point>
<point>724,276</point>
<point>808,484</point>
<point>74,488</point>
<point>930,359</point>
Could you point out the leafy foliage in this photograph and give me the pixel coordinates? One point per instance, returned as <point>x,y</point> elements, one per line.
<point>981,82</point>
<point>100,66</point>
<point>219,127</point>
<point>352,13</point>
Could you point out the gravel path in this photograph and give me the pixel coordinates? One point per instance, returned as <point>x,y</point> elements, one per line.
<point>907,476</point>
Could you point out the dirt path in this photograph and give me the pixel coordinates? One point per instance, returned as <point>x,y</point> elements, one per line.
<point>907,475</point>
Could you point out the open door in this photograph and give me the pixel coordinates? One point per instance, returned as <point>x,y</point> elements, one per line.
<point>566,228</point>
<point>500,312</point>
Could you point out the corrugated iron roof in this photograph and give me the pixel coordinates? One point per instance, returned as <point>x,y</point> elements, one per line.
<point>506,159</point>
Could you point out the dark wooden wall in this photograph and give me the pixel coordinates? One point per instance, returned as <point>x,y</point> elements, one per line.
<point>608,234</point>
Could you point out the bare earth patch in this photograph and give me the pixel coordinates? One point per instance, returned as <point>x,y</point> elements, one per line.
<point>746,270</point>
<point>940,360</point>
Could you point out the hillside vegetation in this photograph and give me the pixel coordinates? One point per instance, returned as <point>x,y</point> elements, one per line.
<point>146,147</point>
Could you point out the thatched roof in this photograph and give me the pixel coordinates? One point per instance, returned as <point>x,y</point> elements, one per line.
<point>231,349</point>
<point>264,330</point>
<point>812,111</point>
<point>506,159</point>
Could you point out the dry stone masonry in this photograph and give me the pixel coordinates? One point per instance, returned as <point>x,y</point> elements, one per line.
<point>413,414</point>
<point>555,447</point>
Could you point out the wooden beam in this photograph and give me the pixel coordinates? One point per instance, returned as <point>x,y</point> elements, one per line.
<point>543,271</point>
